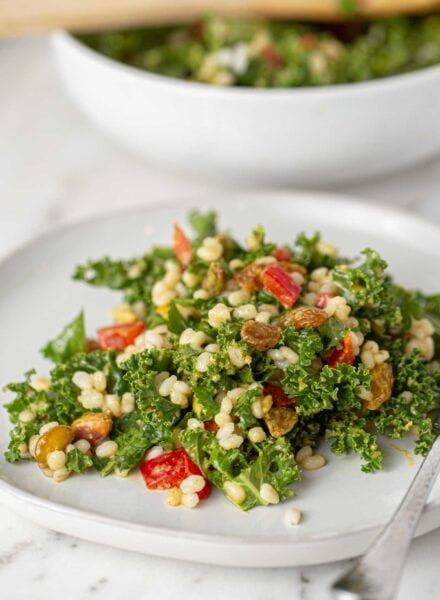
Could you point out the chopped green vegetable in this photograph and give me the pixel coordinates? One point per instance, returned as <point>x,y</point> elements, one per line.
<point>232,375</point>
<point>72,340</point>
<point>264,54</point>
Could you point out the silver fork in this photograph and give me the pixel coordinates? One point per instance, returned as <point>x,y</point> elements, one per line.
<point>376,575</point>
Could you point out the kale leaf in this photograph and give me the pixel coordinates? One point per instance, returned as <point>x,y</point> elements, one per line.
<point>203,224</point>
<point>78,462</point>
<point>72,340</point>
<point>270,462</point>
<point>364,285</point>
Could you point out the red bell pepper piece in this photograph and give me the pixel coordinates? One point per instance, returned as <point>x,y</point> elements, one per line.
<point>272,56</point>
<point>279,396</point>
<point>118,337</point>
<point>169,470</point>
<point>323,299</point>
<point>309,41</point>
<point>344,354</point>
<point>181,246</point>
<point>282,254</point>
<point>92,345</point>
<point>280,284</point>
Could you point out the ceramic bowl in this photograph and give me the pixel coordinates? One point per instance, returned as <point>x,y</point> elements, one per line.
<point>303,136</point>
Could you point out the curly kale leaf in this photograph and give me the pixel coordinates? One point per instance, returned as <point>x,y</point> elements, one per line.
<point>307,253</point>
<point>204,404</point>
<point>158,415</point>
<point>78,462</point>
<point>363,286</point>
<point>349,431</point>
<point>331,388</point>
<point>132,446</point>
<point>153,420</point>
<point>72,340</point>
<point>243,409</point>
<point>176,323</point>
<point>60,403</point>
<point>274,464</point>
<point>415,394</point>
<point>305,342</point>
<point>134,277</point>
<point>218,465</point>
<point>203,224</point>
<point>332,331</point>
<point>270,462</point>
<point>431,310</point>
<point>18,437</point>
<point>63,396</point>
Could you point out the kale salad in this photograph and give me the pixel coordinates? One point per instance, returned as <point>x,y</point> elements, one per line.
<point>231,52</point>
<point>227,366</point>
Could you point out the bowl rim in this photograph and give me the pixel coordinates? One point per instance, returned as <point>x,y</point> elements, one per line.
<point>398,82</point>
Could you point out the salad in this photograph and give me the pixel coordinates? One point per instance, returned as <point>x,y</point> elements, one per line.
<point>230,52</point>
<point>228,364</point>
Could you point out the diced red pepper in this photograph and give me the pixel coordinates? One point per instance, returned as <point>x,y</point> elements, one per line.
<point>118,337</point>
<point>272,56</point>
<point>309,41</point>
<point>279,396</point>
<point>181,246</point>
<point>343,355</point>
<point>169,470</point>
<point>323,299</point>
<point>280,284</point>
<point>211,426</point>
<point>282,254</point>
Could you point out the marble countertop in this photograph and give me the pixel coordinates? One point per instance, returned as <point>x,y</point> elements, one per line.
<point>56,168</point>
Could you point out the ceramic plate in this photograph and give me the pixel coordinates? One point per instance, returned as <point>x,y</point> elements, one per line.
<point>343,508</point>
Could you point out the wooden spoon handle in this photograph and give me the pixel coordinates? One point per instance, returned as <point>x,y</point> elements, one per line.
<point>19,17</point>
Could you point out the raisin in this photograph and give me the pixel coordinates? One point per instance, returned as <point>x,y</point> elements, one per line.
<point>381,386</point>
<point>260,335</point>
<point>303,316</point>
<point>214,280</point>
<point>291,267</point>
<point>93,427</point>
<point>92,345</point>
<point>280,420</point>
<point>251,277</point>
<point>56,438</point>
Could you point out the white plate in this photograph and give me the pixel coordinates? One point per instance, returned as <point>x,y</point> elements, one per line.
<point>343,508</point>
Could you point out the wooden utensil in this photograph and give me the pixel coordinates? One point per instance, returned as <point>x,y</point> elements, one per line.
<point>20,17</point>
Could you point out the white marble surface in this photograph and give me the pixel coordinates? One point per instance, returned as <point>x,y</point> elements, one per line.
<point>56,168</point>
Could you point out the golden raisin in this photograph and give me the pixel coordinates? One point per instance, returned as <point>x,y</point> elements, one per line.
<point>214,280</point>
<point>381,386</point>
<point>93,427</point>
<point>56,438</point>
<point>303,316</point>
<point>260,335</point>
<point>280,420</point>
<point>251,277</point>
<point>291,267</point>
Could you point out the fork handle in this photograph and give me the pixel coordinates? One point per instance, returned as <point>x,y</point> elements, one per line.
<point>376,575</point>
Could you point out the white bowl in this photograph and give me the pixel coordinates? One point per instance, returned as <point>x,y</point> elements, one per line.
<point>306,136</point>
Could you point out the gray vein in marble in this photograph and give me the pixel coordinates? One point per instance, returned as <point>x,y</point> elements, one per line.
<point>10,555</point>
